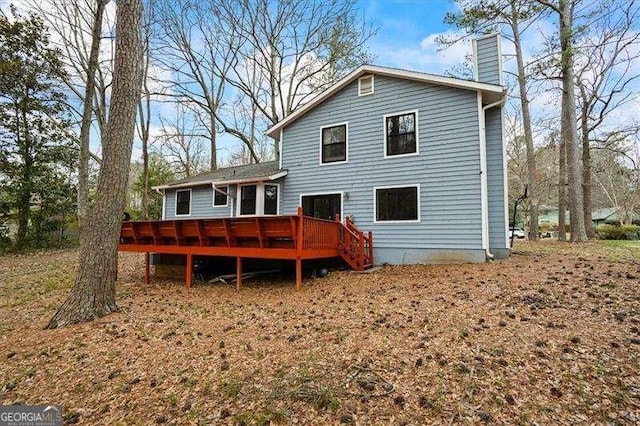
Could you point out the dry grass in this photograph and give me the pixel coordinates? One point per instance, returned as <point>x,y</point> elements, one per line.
<point>548,336</point>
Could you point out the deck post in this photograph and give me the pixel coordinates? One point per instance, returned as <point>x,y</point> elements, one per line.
<point>189,271</point>
<point>146,267</point>
<point>298,274</point>
<point>238,273</point>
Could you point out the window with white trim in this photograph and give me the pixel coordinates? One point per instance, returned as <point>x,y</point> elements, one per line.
<point>401,132</point>
<point>258,199</point>
<point>365,85</point>
<point>270,199</point>
<point>220,196</point>
<point>248,199</point>
<point>333,144</point>
<point>397,204</point>
<point>183,202</point>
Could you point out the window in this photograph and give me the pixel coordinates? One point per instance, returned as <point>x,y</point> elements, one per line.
<point>365,85</point>
<point>220,196</point>
<point>271,199</point>
<point>183,202</point>
<point>401,134</point>
<point>323,206</point>
<point>248,198</point>
<point>334,144</point>
<point>258,199</point>
<point>397,204</point>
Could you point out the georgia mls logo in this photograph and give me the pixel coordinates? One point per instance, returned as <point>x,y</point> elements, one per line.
<point>31,415</point>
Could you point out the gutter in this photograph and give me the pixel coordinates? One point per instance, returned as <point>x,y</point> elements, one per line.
<point>484,190</point>
<point>275,176</point>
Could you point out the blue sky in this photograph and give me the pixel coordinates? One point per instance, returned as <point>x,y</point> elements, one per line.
<point>406,31</point>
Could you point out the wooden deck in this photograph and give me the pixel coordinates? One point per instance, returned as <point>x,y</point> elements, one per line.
<point>296,238</point>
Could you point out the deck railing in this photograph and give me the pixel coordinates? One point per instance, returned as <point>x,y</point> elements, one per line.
<point>319,233</point>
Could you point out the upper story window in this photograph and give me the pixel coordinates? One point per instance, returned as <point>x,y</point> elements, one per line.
<point>333,144</point>
<point>395,204</point>
<point>365,85</point>
<point>220,197</point>
<point>401,134</point>
<point>183,202</point>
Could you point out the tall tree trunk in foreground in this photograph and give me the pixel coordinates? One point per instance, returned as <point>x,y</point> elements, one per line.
<point>87,112</point>
<point>94,293</point>
<point>526,124</point>
<point>568,124</point>
<point>562,192</point>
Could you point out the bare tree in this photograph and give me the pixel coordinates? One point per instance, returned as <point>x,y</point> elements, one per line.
<point>94,293</point>
<point>192,48</point>
<point>287,52</point>
<point>564,9</point>
<point>605,71</point>
<point>512,18</point>
<point>77,29</point>
<point>181,142</point>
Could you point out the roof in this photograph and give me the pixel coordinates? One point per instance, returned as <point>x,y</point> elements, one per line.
<point>236,174</point>
<point>492,92</point>
<point>604,214</point>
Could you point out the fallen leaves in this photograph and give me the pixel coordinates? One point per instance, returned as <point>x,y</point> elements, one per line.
<point>548,336</point>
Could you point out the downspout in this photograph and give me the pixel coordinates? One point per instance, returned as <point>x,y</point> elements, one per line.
<point>483,168</point>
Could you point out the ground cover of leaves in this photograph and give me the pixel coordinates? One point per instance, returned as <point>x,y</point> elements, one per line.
<point>550,335</point>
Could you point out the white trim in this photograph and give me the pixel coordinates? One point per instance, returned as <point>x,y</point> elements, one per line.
<point>390,72</point>
<point>484,191</point>
<point>500,69</point>
<point>375,203</point>
<point>264,197</point>
<point>384,137</point>
<point>176,203</point>
<point>216,188</point>
<point>372,77</point>
<point>164,204</point>
<point>313,194</point>
<point>191,184</point>
<point>346,143</point>
<point>474,44</point>
<point>505,179</point>
<point>482,37</point>
<point>280,148</point>
<point>239,200</point>
<point>260,196</point>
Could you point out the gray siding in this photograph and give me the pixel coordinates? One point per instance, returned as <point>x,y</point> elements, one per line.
<point>488,59</point>
<point>447,167</point>
<point>201,204</point>
<point>495,181</point>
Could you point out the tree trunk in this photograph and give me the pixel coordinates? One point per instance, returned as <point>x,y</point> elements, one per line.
<point>586,175</point>
<point>214,147</point>
<point>94,293</point>
<point>562,192</point>
<point>528,134</point>
<point>87,111</point>
<point>568,124</point>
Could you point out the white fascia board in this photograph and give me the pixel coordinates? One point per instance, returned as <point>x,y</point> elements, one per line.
<point>274,130</point>
<point>275,176</point>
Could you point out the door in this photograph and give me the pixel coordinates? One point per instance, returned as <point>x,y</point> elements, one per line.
<point>324,206</point>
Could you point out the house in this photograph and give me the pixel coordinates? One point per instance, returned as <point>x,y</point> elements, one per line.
<point>418,159</point>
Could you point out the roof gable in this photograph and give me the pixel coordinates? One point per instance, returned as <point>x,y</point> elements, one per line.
<point>493,92</point>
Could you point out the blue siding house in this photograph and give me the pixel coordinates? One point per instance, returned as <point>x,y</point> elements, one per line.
<point>419,159</point>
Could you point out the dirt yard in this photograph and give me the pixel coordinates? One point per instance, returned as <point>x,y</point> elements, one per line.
<point>551,335</point>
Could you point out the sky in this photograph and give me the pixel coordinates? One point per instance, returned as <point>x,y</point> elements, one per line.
<point>405,38</point>
<point>406,32</point>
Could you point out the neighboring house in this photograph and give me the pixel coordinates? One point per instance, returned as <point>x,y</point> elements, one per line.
<point>418,159</point>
